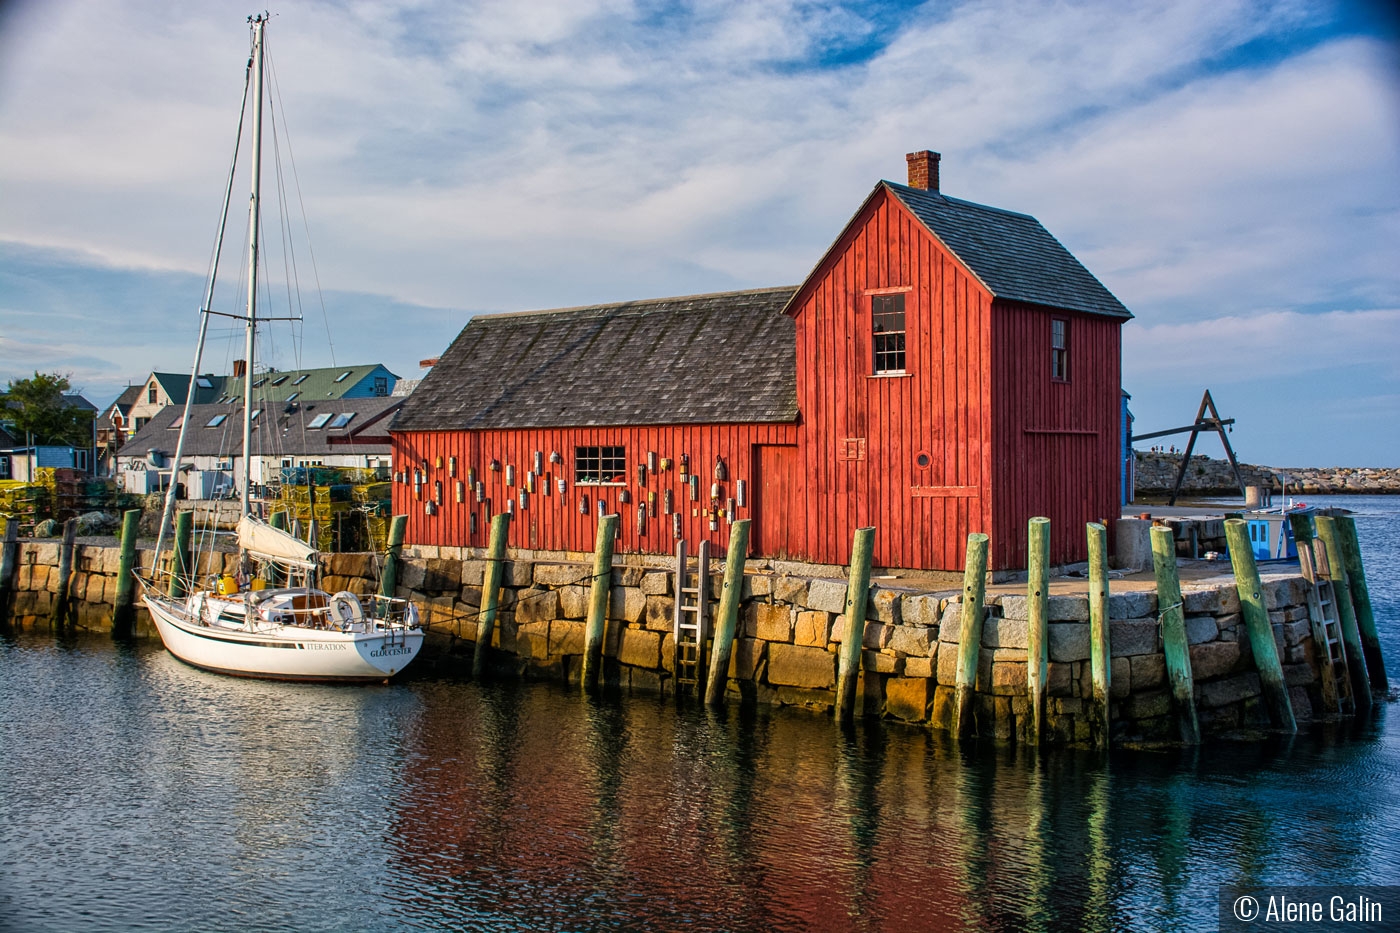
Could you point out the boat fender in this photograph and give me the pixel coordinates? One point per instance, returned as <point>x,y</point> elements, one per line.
<point>410,617</point>
<point>345,607</point>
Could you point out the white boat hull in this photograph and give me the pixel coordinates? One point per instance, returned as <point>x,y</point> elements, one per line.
<point>284,652</point>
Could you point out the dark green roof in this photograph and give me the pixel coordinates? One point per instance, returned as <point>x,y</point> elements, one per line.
<point>1011,254</point>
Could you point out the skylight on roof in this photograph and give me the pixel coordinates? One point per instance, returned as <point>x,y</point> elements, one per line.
<point>342,419</point>
<point>260,383</point>
<point>279,380</point>
<point>342,376</point>
<point>293,396</point>
<point>300,379</point>
<point>215,421</point>
<point>177,422</point>
<point>204,383</point>
<point>320,421</point>
<point>255,415</point>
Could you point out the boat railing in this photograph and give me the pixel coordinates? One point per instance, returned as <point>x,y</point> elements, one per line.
<point>391,610</point>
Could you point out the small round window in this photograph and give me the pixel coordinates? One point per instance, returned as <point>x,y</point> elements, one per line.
<point>923,460</point>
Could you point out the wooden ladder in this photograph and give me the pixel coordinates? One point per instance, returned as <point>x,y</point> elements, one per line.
<point>692,618</point>
<point>1326,627</point>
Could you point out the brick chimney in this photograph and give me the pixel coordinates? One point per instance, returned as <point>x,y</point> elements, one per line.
<point>923,170</point>
<point>240,367</point>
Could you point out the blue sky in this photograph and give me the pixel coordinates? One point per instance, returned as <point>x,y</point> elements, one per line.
<point>1230,170</point>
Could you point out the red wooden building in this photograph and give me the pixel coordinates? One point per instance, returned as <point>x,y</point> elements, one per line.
<point>947,367</point>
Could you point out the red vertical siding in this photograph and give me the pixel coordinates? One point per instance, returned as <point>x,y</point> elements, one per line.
<point>1056,445</point>
<point>922,515</point>
<point>551,521</point>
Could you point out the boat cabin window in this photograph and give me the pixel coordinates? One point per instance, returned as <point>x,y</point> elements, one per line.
<point>320,421</point>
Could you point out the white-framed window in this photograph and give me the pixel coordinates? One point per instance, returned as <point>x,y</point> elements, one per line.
<point>1059,350</point>
<point>887,333</point>
<point>599,466</point>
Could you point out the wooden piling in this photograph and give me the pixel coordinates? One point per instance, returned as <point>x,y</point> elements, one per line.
<point>9,566</point>
<point>1099,655</point>
<point>970,631</point>
<point>491,590</point>
<point>1037,626</point>
<point>857,596</point>
<point>1256,620</point>
<point>389,578</point>
<point>180,561</point>
<point>598,600</point>
<point>123,603</point>
<point>1330,537</point>
<point>727,619</point>
<point>1361,602</point>
<point>1171,621</point>
<point>65,572</point>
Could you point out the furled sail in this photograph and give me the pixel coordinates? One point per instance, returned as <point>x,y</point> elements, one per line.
<point>263,541</point>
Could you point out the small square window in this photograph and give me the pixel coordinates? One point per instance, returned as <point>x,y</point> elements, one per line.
<point>1059,350</point>
<point>600,465</point>
<point>887,332</point>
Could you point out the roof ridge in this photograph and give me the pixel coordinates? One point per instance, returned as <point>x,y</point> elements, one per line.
<point>767,290</point>
<point>948,197</point>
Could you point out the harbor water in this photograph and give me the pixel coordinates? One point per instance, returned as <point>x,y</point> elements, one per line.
<point>142,794</point>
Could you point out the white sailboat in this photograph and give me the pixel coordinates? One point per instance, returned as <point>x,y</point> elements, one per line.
<point>240,625</point>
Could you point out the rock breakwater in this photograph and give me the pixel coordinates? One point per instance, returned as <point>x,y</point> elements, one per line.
<point>1156,473</point>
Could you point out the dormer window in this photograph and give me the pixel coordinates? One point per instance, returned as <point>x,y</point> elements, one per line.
<point>887,333</point>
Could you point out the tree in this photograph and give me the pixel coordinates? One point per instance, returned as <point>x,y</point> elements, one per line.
<point>38,413</point>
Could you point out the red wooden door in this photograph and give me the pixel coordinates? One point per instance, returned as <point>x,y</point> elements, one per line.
<point>777,517</point>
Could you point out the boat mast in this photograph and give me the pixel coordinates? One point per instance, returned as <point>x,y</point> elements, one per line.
<point>259,24</point>
<point>168,512</point>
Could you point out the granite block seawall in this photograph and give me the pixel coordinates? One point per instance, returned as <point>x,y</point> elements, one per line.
<point>791,628</point>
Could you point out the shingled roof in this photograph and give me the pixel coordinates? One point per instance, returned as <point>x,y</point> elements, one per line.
<point>729,357</point>
<point>1012,254</point>
<point>292,434</point>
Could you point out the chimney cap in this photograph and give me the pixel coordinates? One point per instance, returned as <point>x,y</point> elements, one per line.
<point>923,169</point>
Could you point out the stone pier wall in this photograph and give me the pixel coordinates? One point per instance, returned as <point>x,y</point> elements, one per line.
<point>791,629</point>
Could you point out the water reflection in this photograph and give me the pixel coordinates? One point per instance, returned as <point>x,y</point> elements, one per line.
<point>215,803</point>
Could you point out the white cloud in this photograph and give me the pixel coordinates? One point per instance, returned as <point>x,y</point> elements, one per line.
<point>1233,349</point>
<point>501,155</point>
